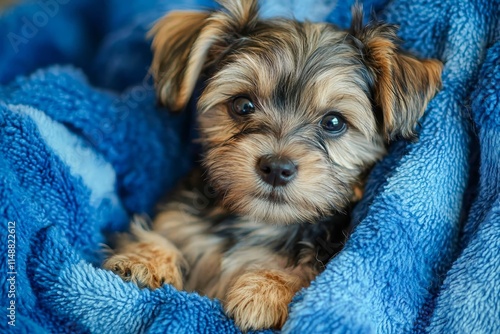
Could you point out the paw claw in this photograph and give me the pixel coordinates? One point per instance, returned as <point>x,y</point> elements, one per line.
<point>127,273</point>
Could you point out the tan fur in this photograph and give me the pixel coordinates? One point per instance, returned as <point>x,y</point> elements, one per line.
<point>179,240</point>
<point>202,251</point>
<point>150,262</point>
<point>232,267</point>
<point>174,35</point>
<point>260,298</point>
<point>402,80</point>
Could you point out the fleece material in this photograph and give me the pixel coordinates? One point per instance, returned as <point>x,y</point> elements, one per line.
<point>83,146</point>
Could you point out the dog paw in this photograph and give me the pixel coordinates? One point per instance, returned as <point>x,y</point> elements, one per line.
<point>259,299</point>
<point>147,266</point>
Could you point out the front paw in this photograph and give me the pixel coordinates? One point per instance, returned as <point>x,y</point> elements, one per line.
<point>259,299</point>
<point>148,266</point>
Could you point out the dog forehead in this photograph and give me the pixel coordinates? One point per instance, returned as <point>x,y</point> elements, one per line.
<point>295,73</point>
<point>289,60</point>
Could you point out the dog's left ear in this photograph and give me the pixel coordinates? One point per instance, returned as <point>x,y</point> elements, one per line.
<point>184,42</point>
<point>403,84</point>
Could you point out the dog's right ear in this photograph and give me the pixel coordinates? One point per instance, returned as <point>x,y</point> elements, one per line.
<point>184,42</point>
<point>404,84</point>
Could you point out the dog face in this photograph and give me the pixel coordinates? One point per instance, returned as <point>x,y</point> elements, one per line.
<point>292,113</point>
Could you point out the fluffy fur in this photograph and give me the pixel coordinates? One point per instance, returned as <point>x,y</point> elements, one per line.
<point>229,233</point>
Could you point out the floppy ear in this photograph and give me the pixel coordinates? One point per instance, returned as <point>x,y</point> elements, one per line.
<point>184,42</point>
<point>403,84</point>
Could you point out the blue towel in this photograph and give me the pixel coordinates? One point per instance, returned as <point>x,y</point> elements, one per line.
<point>83,146</point>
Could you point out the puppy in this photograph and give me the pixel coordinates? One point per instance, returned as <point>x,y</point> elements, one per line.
<point>292,116</point>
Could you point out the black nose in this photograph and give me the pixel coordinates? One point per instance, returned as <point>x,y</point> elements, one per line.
<point>276,171</point>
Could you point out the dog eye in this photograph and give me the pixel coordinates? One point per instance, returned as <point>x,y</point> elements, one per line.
<point>243,106</point>
<point>334,123</point>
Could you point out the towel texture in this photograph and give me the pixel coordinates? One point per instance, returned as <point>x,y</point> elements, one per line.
<point>83,146</point>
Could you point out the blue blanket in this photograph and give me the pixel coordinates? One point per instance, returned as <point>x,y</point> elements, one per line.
<point>83,146</point>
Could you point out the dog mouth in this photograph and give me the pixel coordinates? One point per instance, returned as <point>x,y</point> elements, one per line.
<point>273,196</point>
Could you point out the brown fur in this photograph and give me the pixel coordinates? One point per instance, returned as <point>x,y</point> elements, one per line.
<point>242,248</point>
